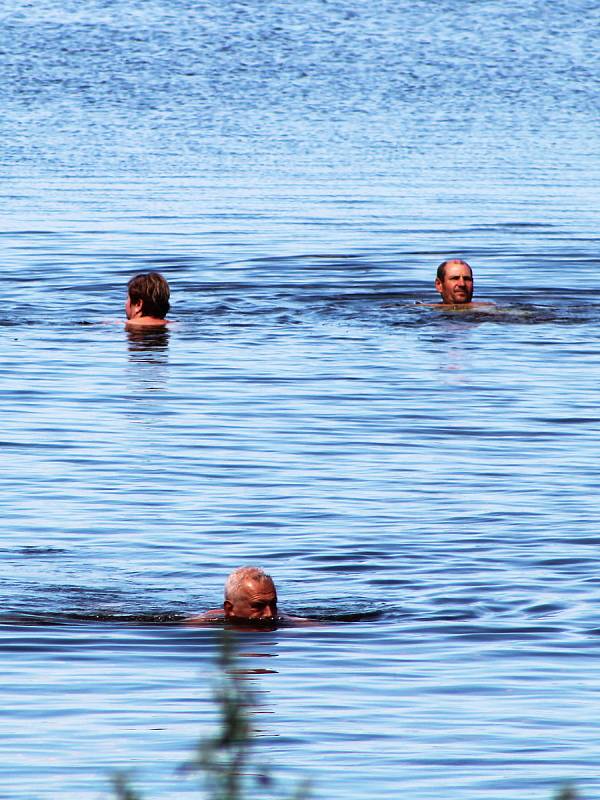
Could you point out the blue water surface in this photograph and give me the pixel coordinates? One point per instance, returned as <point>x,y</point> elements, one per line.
<point>423,483</point>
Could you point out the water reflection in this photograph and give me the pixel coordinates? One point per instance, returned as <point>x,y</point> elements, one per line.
<point>243,670</point>
<point>148,344</point>
<point>452,348</point>
<point>149,354</point>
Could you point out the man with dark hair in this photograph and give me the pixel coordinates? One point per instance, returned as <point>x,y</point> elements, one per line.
<point>147,299</point>
<point>454,282</point>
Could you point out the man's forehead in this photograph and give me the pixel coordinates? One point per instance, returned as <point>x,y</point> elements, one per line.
<point>259,586</point>
<point>456,267</point>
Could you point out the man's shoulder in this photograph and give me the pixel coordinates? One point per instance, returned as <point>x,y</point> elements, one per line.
<point>212,615</point>
<point>298,622</point>
<point>458,306</point>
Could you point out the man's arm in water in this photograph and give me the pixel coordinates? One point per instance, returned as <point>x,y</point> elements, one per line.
<point>217,615</point>
<point>212,615</point>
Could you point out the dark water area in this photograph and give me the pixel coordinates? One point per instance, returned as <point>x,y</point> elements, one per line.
<point>424,483</point>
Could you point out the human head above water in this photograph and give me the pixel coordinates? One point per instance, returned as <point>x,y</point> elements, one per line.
<point>148,293</point>
<point>454,281</point>
<point>250,594</point>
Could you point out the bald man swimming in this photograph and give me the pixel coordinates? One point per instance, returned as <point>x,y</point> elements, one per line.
<point>250,598</point>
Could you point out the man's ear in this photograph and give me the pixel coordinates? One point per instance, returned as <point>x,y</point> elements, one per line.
<point>227,607</point>
<point>438,285</point>
<point>135,309</point>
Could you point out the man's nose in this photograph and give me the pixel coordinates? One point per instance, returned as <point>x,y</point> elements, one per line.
<point>270,612</point>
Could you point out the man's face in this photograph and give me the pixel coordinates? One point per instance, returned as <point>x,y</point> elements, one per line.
<point>255,600</point>
<point>457,286</point>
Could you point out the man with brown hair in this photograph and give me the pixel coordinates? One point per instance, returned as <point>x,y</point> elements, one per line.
<point>454,282</point>
<point>147,300</point>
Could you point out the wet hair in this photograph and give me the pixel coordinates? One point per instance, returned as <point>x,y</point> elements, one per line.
<point>153,290</point>
<point>441,270</point>
<point>239,576</point>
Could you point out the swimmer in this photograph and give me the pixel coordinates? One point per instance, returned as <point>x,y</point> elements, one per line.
<point>454,282</point>
<point>147,302</point>
<point>250,598</point>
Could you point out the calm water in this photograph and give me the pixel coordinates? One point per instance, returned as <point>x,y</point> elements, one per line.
<point>424,483</point>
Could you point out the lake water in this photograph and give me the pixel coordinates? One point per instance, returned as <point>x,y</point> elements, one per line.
<point>424,483</point>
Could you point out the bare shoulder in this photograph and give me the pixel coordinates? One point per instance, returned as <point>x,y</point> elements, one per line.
<point>299,622</point>
<point>459,307</point>
<point>212,615</point>
<point>147,322</point>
